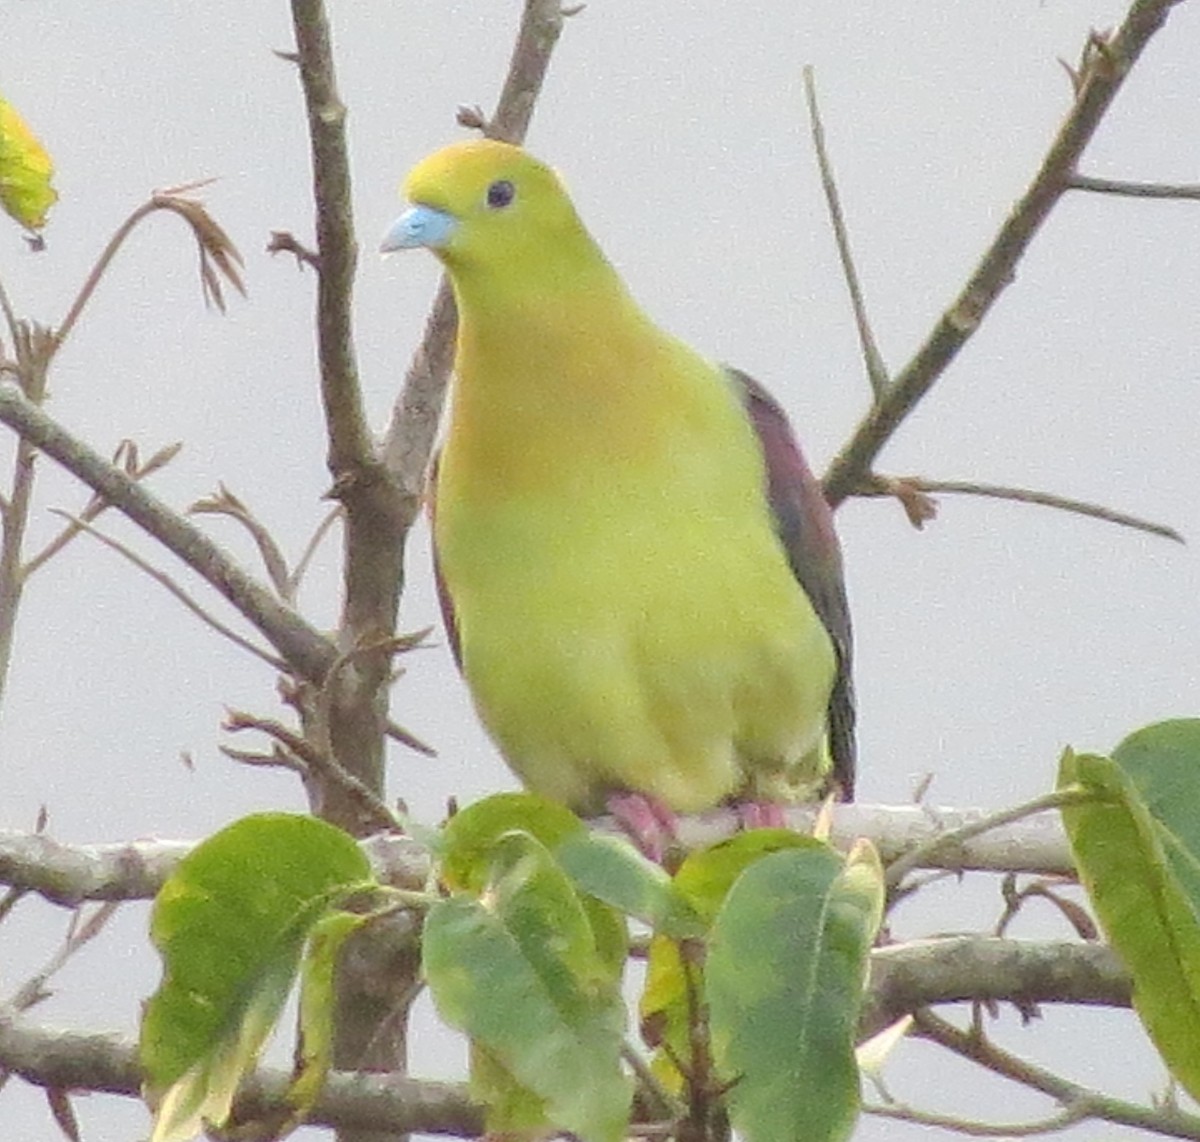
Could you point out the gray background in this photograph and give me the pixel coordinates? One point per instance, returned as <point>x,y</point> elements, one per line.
<point>985,643</point>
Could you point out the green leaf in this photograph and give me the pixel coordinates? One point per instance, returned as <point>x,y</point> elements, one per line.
<point>314,1052</point>
<point>230,924</point>
<point>469,838</point>
<point>25,171</point>
<point>707,875</point>
<point>610,934</point>
<point>1163,762</point>
<point>466,847</point>
<point>1122,853</point>
<point>518,970</point>
<point>702,881</point>
<point>784,978</point>
<point>612,870</point>
<point>512,1109</point>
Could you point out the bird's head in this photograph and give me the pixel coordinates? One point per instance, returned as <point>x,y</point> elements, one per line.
<point>485,206</point>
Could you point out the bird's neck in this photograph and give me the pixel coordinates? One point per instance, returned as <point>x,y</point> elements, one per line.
<point>552,376</point>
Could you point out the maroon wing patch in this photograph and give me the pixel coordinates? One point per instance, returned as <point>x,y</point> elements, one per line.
<point>804,522</point>
<point>444,600</point>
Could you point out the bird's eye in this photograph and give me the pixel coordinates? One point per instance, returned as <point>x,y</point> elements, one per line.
<point>500,194</point>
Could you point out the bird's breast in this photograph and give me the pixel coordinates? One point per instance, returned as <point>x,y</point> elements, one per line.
<point>627,627</point>
<point>626,613</point>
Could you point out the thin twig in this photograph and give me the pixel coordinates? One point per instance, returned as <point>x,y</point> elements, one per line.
<point>126,451</point>
<point>1016,896</point>
<point>33,347</point>
<point>944,842</point>
<point>1169,1120</point>
<point>915,884</point>
<point>227,504</point>
<point>306,651</point>
<point>63,1112</point>
<point>310,550</point>
<point>278,758</point>
<point>375,810</point>
<point>877,372</point>
<point>283,242</point>
<point>659,1101</point>
<point>1101,77</point>
<point>407,738</point>
<point>302,750</point>
<point>318,761</point>
<point>80,931</point>
<point>974,1128</point>
<point>10,316</point>
<point>10,900</point>
<point>1134,189</point>
<point>328,695</point>
<point>165,580</point>
<point>880,485</point>
<point>213,244</point>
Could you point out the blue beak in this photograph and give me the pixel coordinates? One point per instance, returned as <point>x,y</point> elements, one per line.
<point>418,226</point>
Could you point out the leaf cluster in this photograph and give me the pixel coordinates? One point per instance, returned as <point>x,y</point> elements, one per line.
<point>757,962</point>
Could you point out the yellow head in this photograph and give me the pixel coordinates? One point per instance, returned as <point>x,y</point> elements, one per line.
<point>490,210</point>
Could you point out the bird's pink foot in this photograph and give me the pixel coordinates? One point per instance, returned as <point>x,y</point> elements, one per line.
<point>761,815</point>
<point>646,821</point>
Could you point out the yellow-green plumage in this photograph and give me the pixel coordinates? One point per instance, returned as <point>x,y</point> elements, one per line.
<point>627,616</point>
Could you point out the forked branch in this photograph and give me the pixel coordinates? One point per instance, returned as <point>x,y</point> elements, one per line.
<point>307,652</point>
<point>1106,63</point>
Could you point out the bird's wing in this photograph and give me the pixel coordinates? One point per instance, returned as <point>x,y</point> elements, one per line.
<point>443,592</point>
<point>805,525</point>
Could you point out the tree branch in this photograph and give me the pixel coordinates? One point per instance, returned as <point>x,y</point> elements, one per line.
<point>947,842</point>
<point>350,446</point>
<point>33,347</point>
<point>351,722</point>
<point>908,976</point>
<point>349,717</point>
<point>1034,845</point>
<point>417,411</point>
<point>69,874</point>
<point>903,977</point>
<point>418,408</point>
<point>1103,70</point>
<point>70,1060</point>
<point>541,25</point>
<point>305,649</point>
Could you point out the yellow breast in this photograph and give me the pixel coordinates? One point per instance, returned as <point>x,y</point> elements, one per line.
<point>627,616</point>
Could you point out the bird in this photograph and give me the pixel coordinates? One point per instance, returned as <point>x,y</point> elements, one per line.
<point>638,571</point>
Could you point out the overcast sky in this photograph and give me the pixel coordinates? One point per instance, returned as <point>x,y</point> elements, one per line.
<point>985,643</point>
